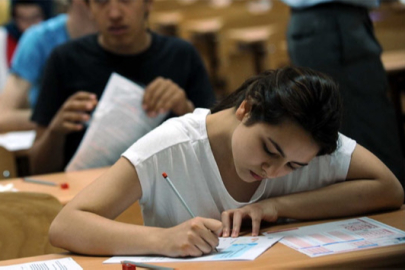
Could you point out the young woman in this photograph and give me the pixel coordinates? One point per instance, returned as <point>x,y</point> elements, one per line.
<point>270,150</point>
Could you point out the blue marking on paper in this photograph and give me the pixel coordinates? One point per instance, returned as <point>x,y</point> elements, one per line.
<point>400,239</point>
<point>369,245</point>
<point>234,251</point>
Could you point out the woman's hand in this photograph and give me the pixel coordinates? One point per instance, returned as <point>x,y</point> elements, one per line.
<point>194,237</point>
<point>232,219</point>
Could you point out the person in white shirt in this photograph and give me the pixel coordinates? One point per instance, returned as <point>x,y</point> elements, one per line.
<point>270,150</point>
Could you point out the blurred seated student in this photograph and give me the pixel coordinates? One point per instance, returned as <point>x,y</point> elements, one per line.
<point>269,150</point>
<point>171,70</point>
<point>21,90</point>
<point>24,13</point>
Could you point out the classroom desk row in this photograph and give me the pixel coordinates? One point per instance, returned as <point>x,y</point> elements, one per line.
<point>76,182</point>
<point>276,257</point>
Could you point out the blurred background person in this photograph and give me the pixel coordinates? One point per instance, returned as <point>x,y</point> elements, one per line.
<point>77,72</point>
<point>21,90</point>
<point>337,37</point>
<point>24,13</point>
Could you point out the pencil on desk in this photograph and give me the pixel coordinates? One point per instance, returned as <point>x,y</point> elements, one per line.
<point>36,181</point>
<point>179,196</point>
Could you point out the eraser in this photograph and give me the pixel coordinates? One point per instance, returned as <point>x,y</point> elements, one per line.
<point>64,185</point>
<point>128,266</point>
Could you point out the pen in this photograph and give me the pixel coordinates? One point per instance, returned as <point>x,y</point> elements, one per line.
<point>43,182</point>
<point>149,266</point>
<point>179,196</point>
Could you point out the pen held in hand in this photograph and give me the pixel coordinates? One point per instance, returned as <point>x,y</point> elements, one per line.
<point>179,196</point>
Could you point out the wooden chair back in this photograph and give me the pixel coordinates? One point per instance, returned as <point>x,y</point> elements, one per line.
<point>8,167</point>
<point>25,219</point>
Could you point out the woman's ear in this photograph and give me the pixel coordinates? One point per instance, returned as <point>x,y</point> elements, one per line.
<point>243,110</point>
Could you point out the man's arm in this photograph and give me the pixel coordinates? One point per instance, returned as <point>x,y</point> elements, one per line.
<point>46,154</point>
<point>14,110</point>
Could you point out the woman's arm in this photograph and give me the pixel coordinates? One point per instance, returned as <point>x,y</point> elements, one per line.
<point>86,224</point>
<point>370,186</point>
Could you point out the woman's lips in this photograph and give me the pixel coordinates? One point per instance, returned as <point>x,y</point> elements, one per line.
<point>256,176</point>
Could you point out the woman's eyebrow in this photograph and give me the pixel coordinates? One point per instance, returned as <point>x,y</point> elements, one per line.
<point>281,152</point>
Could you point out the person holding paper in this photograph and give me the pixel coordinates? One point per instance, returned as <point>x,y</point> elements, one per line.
<point>21,88</point>
<point>269,150</point>
<point>170,69</point>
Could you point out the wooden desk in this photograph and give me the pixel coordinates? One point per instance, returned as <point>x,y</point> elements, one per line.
<point>76,181</point>
<point>277,256</point>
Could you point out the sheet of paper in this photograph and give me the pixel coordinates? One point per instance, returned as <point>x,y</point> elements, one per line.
<point>58,264</point>
<point>340,236</point>
<point>229,249</point>
<point>117,122</point>
<point>18,140</point>
<point>7,187</point>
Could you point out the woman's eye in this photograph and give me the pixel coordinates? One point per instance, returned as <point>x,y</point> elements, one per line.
<point>291,166</point>
<point>268,151</point>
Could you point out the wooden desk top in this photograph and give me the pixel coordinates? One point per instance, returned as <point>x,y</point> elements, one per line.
<point>76,180</point>
<point>276,257</point>
<point>252,34</point>
<point>393,60</point>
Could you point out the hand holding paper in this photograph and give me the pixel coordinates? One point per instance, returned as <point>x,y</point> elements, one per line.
<point>117,123</point>
<point>163,95</point>
<point>74,113</point>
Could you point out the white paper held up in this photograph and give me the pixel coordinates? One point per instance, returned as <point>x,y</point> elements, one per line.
<point>117,122</point>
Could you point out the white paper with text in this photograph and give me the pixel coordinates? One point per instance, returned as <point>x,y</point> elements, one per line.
<point>340,236</point>
<point>58,264</point>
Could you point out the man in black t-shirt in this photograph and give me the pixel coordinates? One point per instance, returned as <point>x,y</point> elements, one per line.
<point>77,72</point>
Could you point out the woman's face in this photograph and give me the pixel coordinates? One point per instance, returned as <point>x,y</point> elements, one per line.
<point>263,151</point>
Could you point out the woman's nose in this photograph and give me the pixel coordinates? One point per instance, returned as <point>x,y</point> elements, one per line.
<point>272,170</point>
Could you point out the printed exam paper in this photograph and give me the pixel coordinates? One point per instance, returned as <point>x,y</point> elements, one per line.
<point>245,248</point>
<point>340,236</point>
<point>58,264</point>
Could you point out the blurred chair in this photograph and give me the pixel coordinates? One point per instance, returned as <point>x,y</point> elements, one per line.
<point>24,223</point>
<point>8,168</point>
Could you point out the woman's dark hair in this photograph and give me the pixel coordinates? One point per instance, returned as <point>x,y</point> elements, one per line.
<point>309,98</point>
